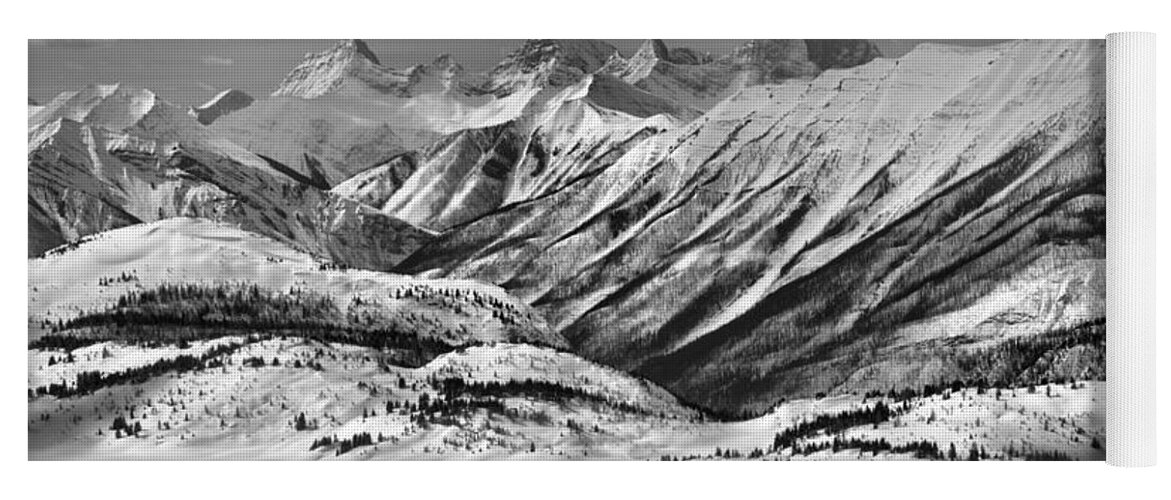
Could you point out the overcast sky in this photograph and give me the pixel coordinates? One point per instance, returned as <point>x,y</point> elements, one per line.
<point>188,72</point>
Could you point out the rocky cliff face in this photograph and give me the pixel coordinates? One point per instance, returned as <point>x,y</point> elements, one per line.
<point>855,230</point>
<point>107,157</point>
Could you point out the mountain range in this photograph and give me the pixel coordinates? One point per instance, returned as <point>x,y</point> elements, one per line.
<point>792,219</point>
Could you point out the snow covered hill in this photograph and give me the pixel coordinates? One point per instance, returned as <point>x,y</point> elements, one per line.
<point>257,398</point>
<point>845,232</point>
<point>102,271</point>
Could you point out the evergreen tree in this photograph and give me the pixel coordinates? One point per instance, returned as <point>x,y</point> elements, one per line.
<point>300,423</point>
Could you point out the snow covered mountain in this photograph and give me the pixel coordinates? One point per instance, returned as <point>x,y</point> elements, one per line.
<point>107,157</point>
<point>845,232</point>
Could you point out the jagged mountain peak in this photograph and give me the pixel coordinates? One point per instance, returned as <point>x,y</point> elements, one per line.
<point>586,55</point>
<point>359,47</point>
<point>321,73</point>
<point>444,60</point>
<point>439,75</point>
<point>657,47</point>
<point>345,50</point>
<point>658,50</point>
<point>545,61</point>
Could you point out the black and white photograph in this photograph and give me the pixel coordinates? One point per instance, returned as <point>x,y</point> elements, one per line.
<point>581,249</point>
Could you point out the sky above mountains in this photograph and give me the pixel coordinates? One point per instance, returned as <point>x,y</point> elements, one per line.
<point>188,72</point>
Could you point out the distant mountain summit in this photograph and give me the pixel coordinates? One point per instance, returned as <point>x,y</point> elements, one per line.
<point>325,72</point>
<point>700,81</point>
<point>548,62</point>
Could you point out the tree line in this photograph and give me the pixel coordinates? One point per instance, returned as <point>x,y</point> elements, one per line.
<point>89,381</point>
<point>188,312</point>
<point>831,424</point>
